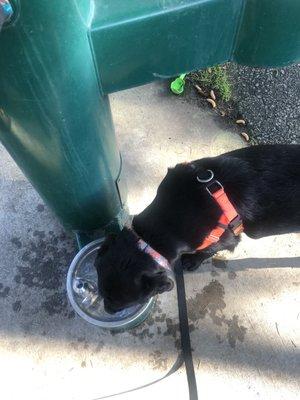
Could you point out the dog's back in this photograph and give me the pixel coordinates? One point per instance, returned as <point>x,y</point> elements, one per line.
<point>276,179</point>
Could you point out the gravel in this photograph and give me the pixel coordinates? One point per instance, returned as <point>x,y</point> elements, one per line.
<point>269,101</point>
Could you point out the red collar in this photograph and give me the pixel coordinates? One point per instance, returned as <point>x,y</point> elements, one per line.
<point>157,257</point>
<point>229,217</point>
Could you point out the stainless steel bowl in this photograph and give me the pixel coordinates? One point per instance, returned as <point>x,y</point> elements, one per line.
<point>83,294</point>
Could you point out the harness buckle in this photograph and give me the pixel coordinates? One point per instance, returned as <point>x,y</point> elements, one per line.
<point>236,225</point>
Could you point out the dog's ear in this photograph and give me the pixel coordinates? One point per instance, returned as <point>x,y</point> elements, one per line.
<point>156,281</point>
<point>110,239</point>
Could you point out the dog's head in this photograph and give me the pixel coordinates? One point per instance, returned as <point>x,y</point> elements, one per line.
<point>126,274</point>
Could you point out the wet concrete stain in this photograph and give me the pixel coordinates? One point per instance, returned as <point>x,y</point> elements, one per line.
<point>231,275</point>
<point>83,342</point>
<point>157,324</point>
<point>74,345</point>
<point>219,339</point>
<point>148,328</point>
<point>40,207</point>
<point>168,326</point>
<point>44,261</point>
<point>45,257</point>
<point>219,263</point>
<point>161,317</point>
<point>173,330</point>
<point>57,303</point>
<point>99,347</point>
<point>214,273</point>
<point>157,307</point>
<point>17,305</point>
<point>4,291</point>
<point>235,332</point>
<point>142,334</point>
<point>118,332</point>
<point>71,315</point>
<point>150,320</point>
<point>17,242</point>
<point>210,301</point>
<point>157,360</point>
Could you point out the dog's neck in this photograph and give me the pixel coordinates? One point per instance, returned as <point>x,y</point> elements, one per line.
<point>152,226</point>
<point>160,240</point>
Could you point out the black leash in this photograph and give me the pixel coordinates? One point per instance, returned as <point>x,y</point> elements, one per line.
<point>186,351</point>
<point>185,332</point>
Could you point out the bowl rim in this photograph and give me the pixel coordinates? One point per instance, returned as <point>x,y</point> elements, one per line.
<point>121,324</point>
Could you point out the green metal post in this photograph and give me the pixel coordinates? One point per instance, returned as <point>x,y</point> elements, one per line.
<point>59,59</point>
<point>54,119</point>
<point>269,34</point>
<point>136,42</point>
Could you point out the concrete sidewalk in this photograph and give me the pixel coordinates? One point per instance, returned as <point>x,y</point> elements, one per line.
<point>243,307</point>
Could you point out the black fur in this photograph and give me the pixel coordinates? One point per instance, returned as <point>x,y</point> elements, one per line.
<point>262,182</point>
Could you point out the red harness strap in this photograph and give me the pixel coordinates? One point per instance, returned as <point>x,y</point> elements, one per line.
<point>229,218</point>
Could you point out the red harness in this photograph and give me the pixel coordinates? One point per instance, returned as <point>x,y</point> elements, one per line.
<point>228,219</point>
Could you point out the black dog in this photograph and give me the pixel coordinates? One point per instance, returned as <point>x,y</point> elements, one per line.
<point>262,184</point>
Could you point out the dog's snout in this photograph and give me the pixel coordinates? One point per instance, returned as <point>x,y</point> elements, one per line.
<point>108,308</point>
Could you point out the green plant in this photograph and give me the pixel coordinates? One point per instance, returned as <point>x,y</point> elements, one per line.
<point>216,78</point>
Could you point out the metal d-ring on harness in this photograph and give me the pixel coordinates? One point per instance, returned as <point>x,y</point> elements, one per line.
<point>206,180</point>
<point>185,356</point>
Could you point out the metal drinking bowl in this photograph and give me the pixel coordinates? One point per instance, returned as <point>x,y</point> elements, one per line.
<point>83,294</point>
